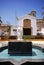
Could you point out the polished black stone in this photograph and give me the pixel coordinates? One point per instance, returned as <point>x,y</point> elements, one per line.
<point>20,48</point>
<point>3,48</point>
<point>6,63</point>
<point>33,63</point>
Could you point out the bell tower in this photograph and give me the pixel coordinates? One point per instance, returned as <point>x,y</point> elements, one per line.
<point>33,13</point>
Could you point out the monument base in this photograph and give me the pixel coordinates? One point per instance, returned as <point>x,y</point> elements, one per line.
<point>20,48</point>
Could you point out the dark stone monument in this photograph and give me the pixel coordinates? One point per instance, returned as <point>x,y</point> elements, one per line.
<point>20,48</point>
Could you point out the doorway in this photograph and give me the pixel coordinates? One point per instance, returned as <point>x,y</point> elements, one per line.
<point>26,31</point>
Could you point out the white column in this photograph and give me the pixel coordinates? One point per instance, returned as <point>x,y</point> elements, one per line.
<point>19,33</point>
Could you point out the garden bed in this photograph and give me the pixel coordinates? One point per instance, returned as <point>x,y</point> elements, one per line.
<point>33,37</point>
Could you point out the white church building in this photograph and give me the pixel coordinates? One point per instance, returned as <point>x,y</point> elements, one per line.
<point>27,24</point>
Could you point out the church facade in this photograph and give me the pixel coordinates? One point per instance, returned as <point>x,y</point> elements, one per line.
<point>27,24</point>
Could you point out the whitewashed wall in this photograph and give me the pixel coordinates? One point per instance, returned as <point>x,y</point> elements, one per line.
<point>34,26</point>
<point>13,33</point>
<point>33,23</point>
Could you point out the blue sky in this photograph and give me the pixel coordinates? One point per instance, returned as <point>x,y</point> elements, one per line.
<point>9,9</point>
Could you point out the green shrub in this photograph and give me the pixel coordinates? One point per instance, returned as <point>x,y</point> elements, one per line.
<point>28,37</point>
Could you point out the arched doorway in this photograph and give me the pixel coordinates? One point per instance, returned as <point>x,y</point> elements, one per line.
<point>27,27</point>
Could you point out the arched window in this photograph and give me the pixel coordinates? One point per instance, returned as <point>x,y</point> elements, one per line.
<point>27,23</point>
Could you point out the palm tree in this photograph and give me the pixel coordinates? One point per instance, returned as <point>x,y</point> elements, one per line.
<point>43,13</point>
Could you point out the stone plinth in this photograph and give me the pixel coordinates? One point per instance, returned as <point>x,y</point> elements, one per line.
<point>20,48</point>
